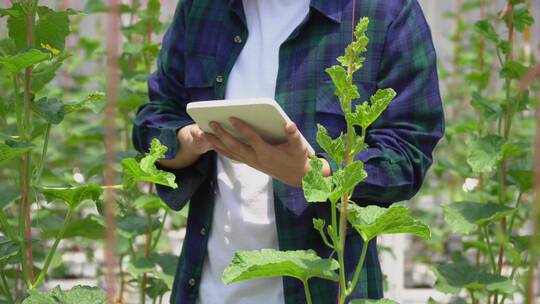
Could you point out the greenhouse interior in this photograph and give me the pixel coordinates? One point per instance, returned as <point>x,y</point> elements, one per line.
<point>269,151</point>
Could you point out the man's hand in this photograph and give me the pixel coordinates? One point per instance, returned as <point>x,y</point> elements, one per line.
<point>192,145</point>
<point>287,162</point>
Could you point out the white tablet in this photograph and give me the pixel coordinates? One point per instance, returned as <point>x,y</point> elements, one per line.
<point>264,114</point>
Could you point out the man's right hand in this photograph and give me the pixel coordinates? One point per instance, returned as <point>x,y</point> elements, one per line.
<point>192,145</point>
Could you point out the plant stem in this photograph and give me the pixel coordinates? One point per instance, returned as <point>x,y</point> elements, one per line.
<point>146,253</point>
<point>39,169</point>
<point>359,267</point>
<point>5,286</point>
<point>158,236</point>
<point>52,251</point>
<point>490,249</point>
<point>307,292</point>
<point>513,218</point>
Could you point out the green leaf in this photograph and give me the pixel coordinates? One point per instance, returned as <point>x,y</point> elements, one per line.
<point>18,62</point>
<point>369,301</point>
<point>133,225</point>
<point>73,196</point>
<point>167,262</point>
<point>8,195</point>
<point>345,89</point>
<point>521,18</point>
<point>51,109</point>
<point>52,27</point>
<point>94,101</point>
<point>453,277</point>
<point>266,263</point>
<point>334,147</point>
<point>316,187</point>
<point>16,25</point>
<point>8,249</point>
<point>484,28</point>
<point>11,150</point>
<point>484,153</point>
<point>89,227</point>
<point>76,295</point>
<point>346,179</point>
<point>482,105</point>
<point>141,266</point>
<point>150,202</point>
<point>513,70</point>
<point>372,221</point>
<point>366,113</point>
<point>465,217</point>
<point>45,72</point>
<point>146,170</point>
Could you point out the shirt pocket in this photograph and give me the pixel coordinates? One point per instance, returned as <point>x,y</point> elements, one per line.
<point>200,76</point>
<point>328,110</point>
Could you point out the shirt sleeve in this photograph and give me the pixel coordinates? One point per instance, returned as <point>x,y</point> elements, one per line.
<point>401,141</point>
<point>165,113</point>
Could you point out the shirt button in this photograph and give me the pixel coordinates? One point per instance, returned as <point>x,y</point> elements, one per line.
<point>203,231</point>
<point>219,78</point>
<point>237,39</point>
<point>191,282</point>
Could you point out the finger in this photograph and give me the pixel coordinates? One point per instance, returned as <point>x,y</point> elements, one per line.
<point>227,154</point>
<point>214,141</point>
<point>230,142</point>
<point>247,131</point>
<point>217,145</point>
<point>294,137</point>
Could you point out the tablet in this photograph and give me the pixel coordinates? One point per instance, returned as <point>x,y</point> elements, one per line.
<point>264,114</point>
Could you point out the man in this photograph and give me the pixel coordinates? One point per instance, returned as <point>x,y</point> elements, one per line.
<point>248,196</point>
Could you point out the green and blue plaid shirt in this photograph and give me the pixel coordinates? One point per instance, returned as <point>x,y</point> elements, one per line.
<point>197,55</point>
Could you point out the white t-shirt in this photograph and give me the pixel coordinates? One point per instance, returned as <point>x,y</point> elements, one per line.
<point>244,216</point>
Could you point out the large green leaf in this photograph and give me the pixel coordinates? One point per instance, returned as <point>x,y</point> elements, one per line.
<point>372,221</point>
<point>18,62</point>
<point>453,277</point>
<point>465,217</point>
<point>146,170</point>
<point>76,295</point>
<point>369,301</point>
<point>317,188</point>
<point>484,153</point>
<point>334,147</point>
<point>73,196</point>
<point>367,112</point>
<point>52,27</point>
<point>10,150</point>
<point>265,263</point>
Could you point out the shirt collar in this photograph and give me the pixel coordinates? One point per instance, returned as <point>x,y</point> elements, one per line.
<point>328,8</point>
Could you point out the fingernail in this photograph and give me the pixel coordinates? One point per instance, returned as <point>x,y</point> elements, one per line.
<point>213,125</point>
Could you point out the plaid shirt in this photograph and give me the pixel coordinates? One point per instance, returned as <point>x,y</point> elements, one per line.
<point>197,55</point>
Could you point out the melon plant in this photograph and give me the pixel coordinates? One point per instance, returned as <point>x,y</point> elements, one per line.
<point>336,190</point>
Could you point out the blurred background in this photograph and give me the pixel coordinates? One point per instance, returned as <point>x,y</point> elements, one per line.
<point>480,85</point>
